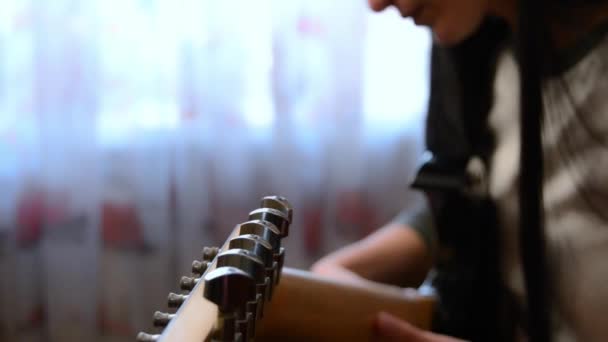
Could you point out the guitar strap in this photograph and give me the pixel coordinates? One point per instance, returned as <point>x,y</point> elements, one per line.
<point>472,303</point>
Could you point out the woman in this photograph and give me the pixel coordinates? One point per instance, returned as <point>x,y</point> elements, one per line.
<point>501,70</point>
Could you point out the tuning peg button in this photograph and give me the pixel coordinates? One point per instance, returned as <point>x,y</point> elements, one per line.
<point>262,249</point>
<point>279,203</point>
<point>269,232</point>
<point>274,216</point>
<point>188,283</point>
<point>175,300</point>
<point>143,337</point>
<point>161,319</point>
<point>264,229</point>
<point>209,253</point>
<point>254,244</point>
<point>199,267</point>
<point>243,260</point>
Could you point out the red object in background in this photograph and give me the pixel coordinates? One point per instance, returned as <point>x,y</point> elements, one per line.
<point>108,327</point>
<point>36,209</point>
<point>313,222</point>
<point>120,225</point>
<point>353,210</point>
<point>34,320</point>
<point>310,26</point>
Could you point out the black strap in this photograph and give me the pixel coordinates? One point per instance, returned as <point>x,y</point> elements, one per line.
<point>531,228</point>
<point>461,98</point>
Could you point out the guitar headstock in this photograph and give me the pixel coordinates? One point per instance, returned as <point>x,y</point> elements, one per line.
<point>229,287</point>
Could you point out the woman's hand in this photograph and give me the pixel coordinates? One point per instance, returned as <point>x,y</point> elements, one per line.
<point>389,328</point>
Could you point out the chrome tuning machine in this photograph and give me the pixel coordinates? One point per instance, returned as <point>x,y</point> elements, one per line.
<point>144,337</point>
<point>231,289</point>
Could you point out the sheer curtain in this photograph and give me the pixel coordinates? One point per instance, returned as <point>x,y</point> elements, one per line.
<point>134,132</point>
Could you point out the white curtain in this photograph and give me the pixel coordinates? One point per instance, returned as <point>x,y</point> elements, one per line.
<point>134,132</point>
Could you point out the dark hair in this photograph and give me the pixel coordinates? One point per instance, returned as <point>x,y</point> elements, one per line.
<point>529,44</point>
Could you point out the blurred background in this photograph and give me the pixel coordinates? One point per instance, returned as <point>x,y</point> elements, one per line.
<point>135,132</point>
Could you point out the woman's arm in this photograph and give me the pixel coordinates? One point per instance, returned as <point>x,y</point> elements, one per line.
<point>395,254</point>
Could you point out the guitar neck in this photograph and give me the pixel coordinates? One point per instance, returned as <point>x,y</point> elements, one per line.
<point>308,307</point>
<point>242,291</point>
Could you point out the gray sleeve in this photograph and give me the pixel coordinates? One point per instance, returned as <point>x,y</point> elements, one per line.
<point>420,220</point>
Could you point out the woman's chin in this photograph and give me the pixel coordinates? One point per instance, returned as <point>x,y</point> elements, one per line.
<point>446,37</point>
<point>449,33</point>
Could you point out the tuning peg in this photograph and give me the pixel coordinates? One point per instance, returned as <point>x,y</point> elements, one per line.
<point>199,267</point>
<point>188,283</point>
<point>161,319</point>
<point>252,265</point>
<point>231,289</point>
<point>209,253</point>
<point>175,300</point>
<point>280,259</point>
<point>143,337</point>
<point>274,216</point>
<point>260,248</point>
<point>279,203</point>
<point>243,260</point>
<point>264,229</point>
<point>267,231</point>
<point>254,244</point>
